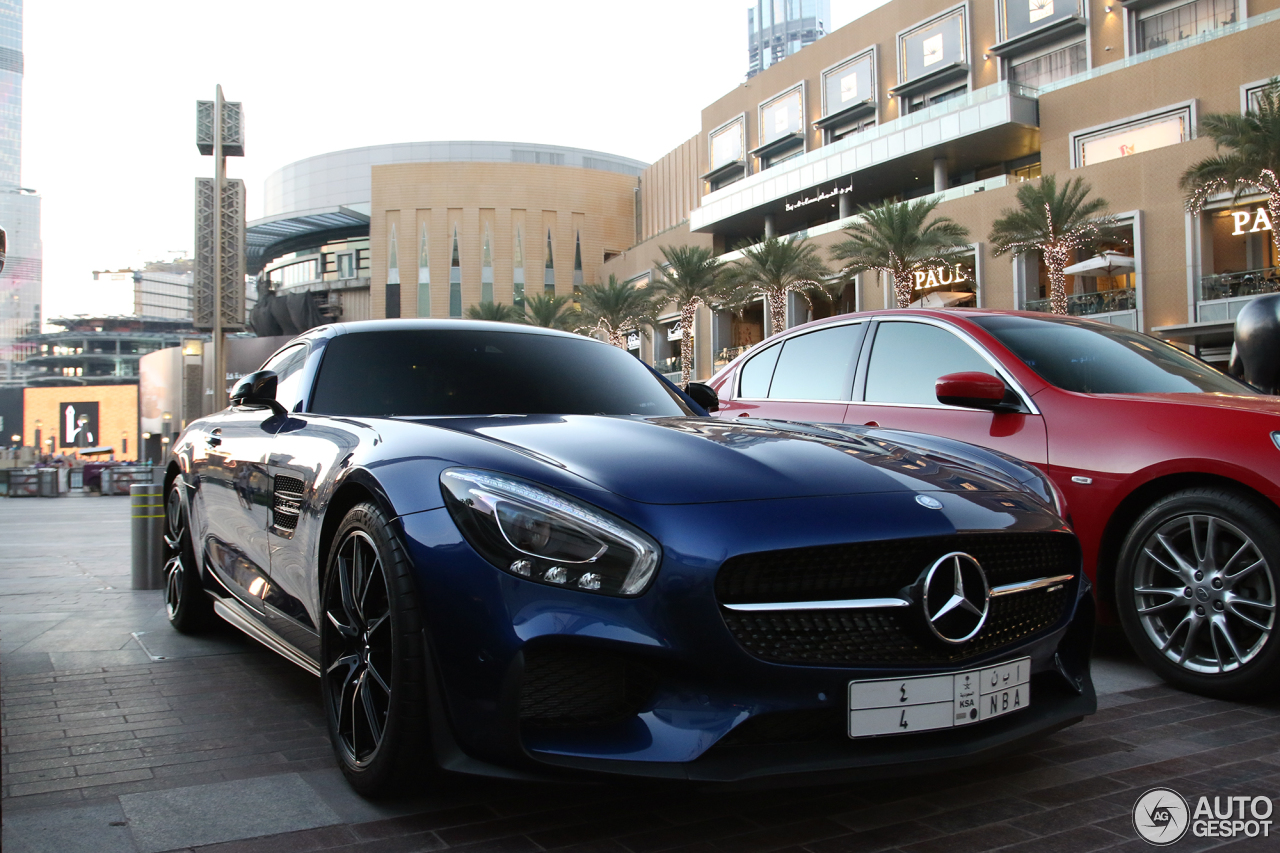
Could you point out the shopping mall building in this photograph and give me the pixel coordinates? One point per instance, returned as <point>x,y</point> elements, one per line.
<point>917,98</point>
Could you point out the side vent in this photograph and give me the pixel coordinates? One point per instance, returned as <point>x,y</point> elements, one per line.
<point>286,504</point>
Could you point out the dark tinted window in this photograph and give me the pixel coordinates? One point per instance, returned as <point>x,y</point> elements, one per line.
<point>908,358</point>
<point>1095,359</point>
<point>463,372</point>
<point>818,365</point>
<point>288,365</point>
<point>757,373</point>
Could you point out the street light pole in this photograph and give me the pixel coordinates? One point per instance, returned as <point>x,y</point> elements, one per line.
<point>220,182</point>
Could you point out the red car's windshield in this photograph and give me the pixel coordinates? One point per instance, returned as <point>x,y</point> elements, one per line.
<point>1091,358</point>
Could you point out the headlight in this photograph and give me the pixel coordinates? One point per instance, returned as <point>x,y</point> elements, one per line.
<point>549,538</point>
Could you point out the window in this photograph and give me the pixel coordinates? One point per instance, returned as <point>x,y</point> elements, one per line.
<point>486,268</point>
<point>1159,27</point>
<point>1050,67</point>
<point>817,366</point>
<point>1141,134</point>
<point>421,373</point>
<point>782,116</point>
<point>915,103</point>
<point>757,373</point>
<point>1019,17</point>
<point>908,358</point>
<point>346,265</point>
<point>517,275</point>
<point>424,272</point>
<point>727,144</point>
<point>455,278</point>
<point>577,269</point>
<point>287,366</point>
<point>932,46</point>
<point>549,270</point>
<point>393,273</point>
<point>849,97</point>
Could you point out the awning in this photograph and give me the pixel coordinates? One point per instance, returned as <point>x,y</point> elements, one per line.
<point>942,299</point>
<point>1108,263</point>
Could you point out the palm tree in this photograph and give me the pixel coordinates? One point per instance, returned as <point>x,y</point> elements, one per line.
<point>896,239</point>
<point>690,278</point>
<point>772,269</point>
<point>496,311</point>
<point>550,312</point>
<point>1052,223</point>
<point>614,308</point>
<point>1252,161</point>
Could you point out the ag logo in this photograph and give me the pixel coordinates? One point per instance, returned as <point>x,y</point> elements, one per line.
<point>1161,816</point>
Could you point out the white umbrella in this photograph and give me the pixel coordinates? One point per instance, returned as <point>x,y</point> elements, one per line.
<point>1108,263</point>
<point>942,299</point>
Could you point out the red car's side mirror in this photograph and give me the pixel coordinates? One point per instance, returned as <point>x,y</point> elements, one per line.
<point>973,390</point>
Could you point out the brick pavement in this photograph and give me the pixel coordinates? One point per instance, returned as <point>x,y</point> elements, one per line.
<point>220,746</point>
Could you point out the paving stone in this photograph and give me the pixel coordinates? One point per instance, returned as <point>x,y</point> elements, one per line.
<point>81,828</point>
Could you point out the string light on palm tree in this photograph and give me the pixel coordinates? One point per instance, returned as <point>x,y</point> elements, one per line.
<point>1251,160</point>
<point>615,308</point>
<point>690,277</point>
<point>772,269</point>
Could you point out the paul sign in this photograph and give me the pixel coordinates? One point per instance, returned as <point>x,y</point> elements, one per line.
<point>1258,220</point>
<point>938,276</point>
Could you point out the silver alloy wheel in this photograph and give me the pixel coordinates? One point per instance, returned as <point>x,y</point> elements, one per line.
<point>1205,594</point>
<point>358,618</point>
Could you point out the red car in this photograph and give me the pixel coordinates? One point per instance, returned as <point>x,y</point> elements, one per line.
<point>1170,468</point>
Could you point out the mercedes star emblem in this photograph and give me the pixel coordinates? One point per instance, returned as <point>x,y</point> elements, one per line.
<point>956,598</point>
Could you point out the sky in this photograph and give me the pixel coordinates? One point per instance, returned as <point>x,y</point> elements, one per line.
<point>109,94</point>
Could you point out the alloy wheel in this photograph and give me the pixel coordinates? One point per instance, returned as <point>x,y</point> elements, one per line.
<point>175,525</point>
<point>358,674</point>
<point>1205,594</point>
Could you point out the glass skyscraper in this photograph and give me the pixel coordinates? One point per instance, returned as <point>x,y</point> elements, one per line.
<point>778,28</point>
<point>19,207</point>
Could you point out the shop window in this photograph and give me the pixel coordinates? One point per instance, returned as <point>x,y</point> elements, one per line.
<point>1103,290</point>
<point>1162,25</point>
<point>1146,133</point>
<point>455,278</point>
<point>549,270</point>
<point>1049,67</point>
<point>1026,173</point>
<point>782,133</point>
<point>1243,253</point>
<point>1251,95</point>
<point>424,273</point>
<point>952,285</point>
<point>915,103</point>
<point>486,268</point>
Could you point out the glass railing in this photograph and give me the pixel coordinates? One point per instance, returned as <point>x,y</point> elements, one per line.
<point>1164,50</point>
<point>1229,285</point>
<point>1085,304</point>
<point>953,105</point>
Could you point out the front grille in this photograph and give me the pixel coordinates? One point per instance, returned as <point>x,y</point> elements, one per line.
<point>880,569</point>
<point>286,502</point>
<point>889,636</point>
<point>569,688</point>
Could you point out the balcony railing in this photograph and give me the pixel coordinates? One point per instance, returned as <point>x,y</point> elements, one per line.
<point>1229,285</point>
<point>1085,304</point>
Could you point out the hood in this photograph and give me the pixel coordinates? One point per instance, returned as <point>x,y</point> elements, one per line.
<point>705,460</point>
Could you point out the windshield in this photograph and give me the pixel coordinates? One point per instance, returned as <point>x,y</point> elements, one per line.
<point>435,372</point>
<point>1092,358</point>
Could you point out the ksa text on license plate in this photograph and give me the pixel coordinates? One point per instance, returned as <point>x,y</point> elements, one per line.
<point>900,705</point>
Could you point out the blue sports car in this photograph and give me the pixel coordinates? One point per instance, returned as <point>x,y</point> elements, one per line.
<point>516,552</point>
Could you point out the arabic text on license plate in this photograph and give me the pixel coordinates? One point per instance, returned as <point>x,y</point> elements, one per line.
<point>898,705</point>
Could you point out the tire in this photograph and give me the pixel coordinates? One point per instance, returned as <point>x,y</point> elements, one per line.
<point>185,601</point>
<point>1196,590</point>
<point>373,673</point>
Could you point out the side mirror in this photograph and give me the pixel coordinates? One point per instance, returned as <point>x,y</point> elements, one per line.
<point>974,390</point>
<point>704,395</point>
<point>258,389</point>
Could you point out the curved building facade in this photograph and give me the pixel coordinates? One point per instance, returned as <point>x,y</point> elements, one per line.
<point>430,228</point>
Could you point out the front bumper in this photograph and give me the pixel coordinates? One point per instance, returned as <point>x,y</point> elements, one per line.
<point>702,708</point>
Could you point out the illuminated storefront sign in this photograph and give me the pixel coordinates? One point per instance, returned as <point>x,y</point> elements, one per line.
<point>781,116</point>
<point>1250,222</point>
<point>939,276</point>
<point>934,45</point>
<point>1136,138</point>
<point>819,197</point>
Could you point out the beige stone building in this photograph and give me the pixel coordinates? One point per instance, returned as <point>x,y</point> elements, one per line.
<point>962,102</point>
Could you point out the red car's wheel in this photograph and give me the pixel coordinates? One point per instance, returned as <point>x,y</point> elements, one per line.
<point>1196,589</point>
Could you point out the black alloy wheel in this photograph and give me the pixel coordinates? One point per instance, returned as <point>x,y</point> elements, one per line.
<point>188,607</point>
<point>1196,589</point>
<point>372,659</point>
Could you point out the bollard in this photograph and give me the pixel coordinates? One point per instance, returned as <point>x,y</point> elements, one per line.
<point>147,502</point>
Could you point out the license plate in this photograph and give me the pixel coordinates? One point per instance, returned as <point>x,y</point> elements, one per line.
<point>888,706</point>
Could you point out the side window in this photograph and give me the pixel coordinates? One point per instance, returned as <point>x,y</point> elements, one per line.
<point>288,368</point>
<point>757,373</point>
<point>908,358</point>
<point>819,365</point>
